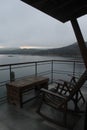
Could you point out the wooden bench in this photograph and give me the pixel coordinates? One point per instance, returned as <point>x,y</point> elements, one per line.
<point>16,89</point>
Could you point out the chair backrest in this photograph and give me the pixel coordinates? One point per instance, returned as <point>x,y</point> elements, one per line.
<point>65,87</point>
<point>78,85</point>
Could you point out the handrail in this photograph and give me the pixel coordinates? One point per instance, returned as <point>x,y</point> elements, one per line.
<point>21,63</point>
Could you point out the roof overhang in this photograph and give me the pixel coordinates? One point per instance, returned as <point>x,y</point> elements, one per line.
<point>65,10</point>
<point>62,10</point>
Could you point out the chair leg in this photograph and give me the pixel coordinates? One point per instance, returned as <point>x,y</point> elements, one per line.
<point>41,102</point>
<point>65,115</point>
<point>77,99</point>
<point>82,96</point>
<point>38,110</point>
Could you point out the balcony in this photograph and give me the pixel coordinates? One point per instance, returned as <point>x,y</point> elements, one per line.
<point>12,117</point>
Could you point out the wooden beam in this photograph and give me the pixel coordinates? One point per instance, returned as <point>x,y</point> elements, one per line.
<point>80,40</point>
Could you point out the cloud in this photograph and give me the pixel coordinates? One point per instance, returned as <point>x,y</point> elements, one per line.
<point>22,25</point>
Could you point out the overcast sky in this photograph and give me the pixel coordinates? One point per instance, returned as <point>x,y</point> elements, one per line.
<point>22,25</point>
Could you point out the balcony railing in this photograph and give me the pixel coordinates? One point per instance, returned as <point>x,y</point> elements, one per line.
<point>54,69</point>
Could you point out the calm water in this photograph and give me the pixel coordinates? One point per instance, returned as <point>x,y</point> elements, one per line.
<point>7,59</point>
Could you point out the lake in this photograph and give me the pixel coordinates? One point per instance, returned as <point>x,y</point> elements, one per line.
<point>9,59</point>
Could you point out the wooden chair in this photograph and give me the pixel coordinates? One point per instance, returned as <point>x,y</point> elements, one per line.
<point>59,98</point>
<point>64,87</point>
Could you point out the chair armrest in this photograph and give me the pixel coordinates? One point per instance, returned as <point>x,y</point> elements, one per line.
<point>61,81</point>
<point>53,93</point>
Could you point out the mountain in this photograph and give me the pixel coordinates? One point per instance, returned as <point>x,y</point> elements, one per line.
<point>66,51</point>
<point>71,50</point>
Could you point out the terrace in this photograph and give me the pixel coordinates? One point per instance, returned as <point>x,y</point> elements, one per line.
<point>27,118</point>
<point>13,117</point>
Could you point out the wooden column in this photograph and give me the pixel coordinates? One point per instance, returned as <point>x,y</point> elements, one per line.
<point>83,51</point>
<point>80,40</point>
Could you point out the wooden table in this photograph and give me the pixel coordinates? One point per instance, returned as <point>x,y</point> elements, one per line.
<point>16,88</point>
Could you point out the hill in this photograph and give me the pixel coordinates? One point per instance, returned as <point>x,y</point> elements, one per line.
<point>71,50</point>
<point>64,51</point>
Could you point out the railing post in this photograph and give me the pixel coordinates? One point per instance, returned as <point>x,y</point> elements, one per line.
<point>35,68</point>
<point>12,75</point>
<point>74,68</point>
<point>52,71</point>
<point>10,72</point>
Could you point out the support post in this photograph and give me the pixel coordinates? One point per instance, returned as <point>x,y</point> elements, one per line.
<point>83,51</point>
<point>80,40</point>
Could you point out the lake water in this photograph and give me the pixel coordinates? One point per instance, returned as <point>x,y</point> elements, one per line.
<point>24,71</point>
<point>9,59</point>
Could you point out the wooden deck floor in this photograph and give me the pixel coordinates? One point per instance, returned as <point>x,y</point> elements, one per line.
<point>26,118</point>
